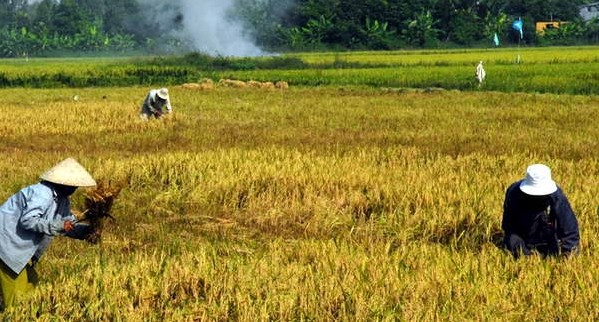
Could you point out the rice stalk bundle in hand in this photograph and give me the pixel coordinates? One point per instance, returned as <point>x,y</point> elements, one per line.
<point>98,203</point>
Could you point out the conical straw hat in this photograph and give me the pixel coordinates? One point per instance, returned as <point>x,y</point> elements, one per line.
<point>69,173</point>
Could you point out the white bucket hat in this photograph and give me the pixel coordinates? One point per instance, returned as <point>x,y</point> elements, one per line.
<point>69,173</point>
<point>162,93</point>
<point>538,181</point>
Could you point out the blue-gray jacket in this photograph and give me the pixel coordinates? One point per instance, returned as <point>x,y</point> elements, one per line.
<point>28,221</point>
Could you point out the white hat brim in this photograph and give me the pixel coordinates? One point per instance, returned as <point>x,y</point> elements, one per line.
<point>539,189</point>
<point>69,173</point>
<point>162,93</point>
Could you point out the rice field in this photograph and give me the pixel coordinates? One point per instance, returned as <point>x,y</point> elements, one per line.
<point>567,70</point>
<point>315,203</point>
<point>500,56</point>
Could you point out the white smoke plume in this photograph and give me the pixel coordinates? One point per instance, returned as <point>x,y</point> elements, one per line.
<point>209,28</point>
<point>206,25</point>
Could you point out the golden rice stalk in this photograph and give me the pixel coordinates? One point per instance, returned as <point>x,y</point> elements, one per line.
<point>98,202</point>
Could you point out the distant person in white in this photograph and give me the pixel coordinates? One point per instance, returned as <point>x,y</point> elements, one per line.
<point>155,101</point>
<point>480,73</point>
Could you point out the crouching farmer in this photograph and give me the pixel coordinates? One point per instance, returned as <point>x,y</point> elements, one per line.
<point>537,216</point>
<point>30,219</point>
<point>154,103</point>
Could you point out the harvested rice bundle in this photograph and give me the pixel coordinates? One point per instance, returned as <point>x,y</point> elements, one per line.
<point>204,84</point>
<point>254,84</point>
<point>98,203</point>
<point>191,85</point>
<point>282,85</point>
<point>232,83</point>
<point>206,80</point>
<point>267,85</point>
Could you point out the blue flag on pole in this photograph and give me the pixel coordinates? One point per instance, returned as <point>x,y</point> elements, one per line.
<point>496,40</point>
<point>517,25</point>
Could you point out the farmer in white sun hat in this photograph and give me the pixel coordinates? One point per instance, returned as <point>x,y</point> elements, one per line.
<point>154,103</point>
<point>30,219</point>
<point>537,216</point>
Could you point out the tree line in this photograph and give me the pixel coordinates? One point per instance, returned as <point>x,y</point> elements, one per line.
<point>49,27</point>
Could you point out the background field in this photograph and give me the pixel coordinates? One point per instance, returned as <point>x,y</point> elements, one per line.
<point>541,70</point>
<point>313,203</point>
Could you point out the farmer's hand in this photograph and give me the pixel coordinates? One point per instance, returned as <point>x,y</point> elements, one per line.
<point>68,226</point>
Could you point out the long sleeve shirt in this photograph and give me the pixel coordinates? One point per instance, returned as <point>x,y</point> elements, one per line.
<point>28,221</point>
<point>540,220</point>
<point>153,106</point>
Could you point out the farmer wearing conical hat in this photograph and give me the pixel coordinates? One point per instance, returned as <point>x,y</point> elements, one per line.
<point>155,102</point>
<point>537,216</point>
<point>31,218</point>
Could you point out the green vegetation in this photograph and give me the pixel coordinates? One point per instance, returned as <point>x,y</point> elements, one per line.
<point>569,70</point>
<point>53,27</point>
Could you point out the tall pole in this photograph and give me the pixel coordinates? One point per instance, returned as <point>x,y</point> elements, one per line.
<point>519,38</point>
<point>518,51</point>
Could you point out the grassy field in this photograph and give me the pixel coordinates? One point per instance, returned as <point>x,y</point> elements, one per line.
<point>351,203</point>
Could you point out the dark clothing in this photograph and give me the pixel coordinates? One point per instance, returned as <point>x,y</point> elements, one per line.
<point>546,224</point>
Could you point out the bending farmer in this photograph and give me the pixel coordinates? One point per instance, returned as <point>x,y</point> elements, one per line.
<point>31,218</point>
<point>537,216</point>
<point>155,101</point>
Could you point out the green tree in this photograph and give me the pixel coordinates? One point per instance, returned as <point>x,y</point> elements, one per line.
<point>445,12</point>
<point>543,9</point>
<point>378,35</point>
<point>313,9</point>
<point>69,19</point>
<point>421,30</point>
<point>95,8</point>
<point>43,15</point>
<point>122,16</point>
<point>466,27</point>
<point>267,21</point>
<point>10,10</point>
<point>591,30</point>
<point>317,29</point>
<point>495,24</point>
